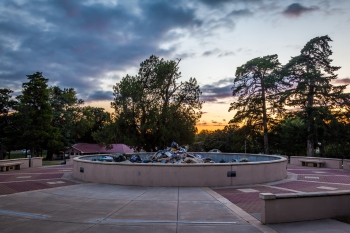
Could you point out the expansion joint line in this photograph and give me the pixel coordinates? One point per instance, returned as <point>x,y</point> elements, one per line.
<point>178,205</point>
<point>98,222</point>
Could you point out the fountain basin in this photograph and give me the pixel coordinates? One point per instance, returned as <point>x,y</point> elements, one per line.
<point>263,169</point>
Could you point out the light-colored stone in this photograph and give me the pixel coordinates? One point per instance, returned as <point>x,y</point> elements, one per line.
<point>183,175</point>
<point>295,207</point>
<point>267,196</point>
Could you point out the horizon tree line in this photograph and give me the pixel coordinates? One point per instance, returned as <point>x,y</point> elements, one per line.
<point>45,118</point>
<point>279,109</point>
<point>269,92</point>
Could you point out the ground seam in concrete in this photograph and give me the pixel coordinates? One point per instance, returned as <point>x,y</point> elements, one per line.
<point>241,213</point>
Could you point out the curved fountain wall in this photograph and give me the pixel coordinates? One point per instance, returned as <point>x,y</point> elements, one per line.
<point>270,168</point>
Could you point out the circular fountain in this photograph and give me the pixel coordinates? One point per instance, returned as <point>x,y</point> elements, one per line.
<point>259,169</point>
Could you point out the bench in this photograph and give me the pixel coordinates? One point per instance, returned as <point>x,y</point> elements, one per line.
<point>4,167</point>
<point>311,162</point>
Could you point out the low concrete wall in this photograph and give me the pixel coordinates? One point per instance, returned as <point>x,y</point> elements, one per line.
<point>346,164</point>
<point>35,162</point>
<point>70,160</point>
<point>278,208</point>
<point>195,175</point>
<point>328,162</point>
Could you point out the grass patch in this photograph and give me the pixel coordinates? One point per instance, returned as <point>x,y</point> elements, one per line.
<point>52,163</point>
<point>18,154</point>
<point>15,155</point>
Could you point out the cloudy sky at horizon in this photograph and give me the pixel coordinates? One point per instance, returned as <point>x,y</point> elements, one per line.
<point>90,45</point>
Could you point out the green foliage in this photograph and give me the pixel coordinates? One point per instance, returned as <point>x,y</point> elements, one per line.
<point>301,93</point>
<point>153,108</point>
<point>32,119</point>
<point>232,139</point>
<point>6,103</point>
<point>63,103</point>
<point>47,118</point>
<point>336,140</point>
<point>255,81</point>
<point>73,122</point>
<point>92,120</point>
<point>288,137</point>
<point>311,74</point>
<point>278,109</point>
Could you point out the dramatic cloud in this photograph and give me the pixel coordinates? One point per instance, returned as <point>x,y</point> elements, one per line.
<point>185,55</point>
<point>100,95</point>
<point>212,123</point>
<point>240,13</point>
<point>217,123</point>
<point>202,123</point>
<point>217,91</point>
<point>218,52</point>
<point>225,54</point>
<point>220,2</point>
<point>90,45</point>
<point>215,2</point>
<point>210,52</point>
<point>77,43</point>
<point>296,10</point>
<point>343,81</point>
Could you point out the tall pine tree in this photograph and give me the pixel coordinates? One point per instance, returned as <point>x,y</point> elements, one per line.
<point>310,75</point>
<point>255,81</point>
<point>34,114</point>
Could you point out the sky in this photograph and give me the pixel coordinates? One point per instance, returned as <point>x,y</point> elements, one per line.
<point>91,45</point>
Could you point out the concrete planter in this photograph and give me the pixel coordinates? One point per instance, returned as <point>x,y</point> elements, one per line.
<point>187,175</point>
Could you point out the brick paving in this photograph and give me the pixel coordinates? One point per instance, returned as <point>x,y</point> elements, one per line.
<point>307,179</point>
<point>319,171</point>
<point>304,186</point>
<point>250,201</point>
<point>48,169</point>
<point>327,179</point>
<point>34,179</point>
<point>299,167</point>
<point>26,176</point>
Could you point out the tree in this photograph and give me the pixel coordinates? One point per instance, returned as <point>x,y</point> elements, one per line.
<point>92,119</point>
<point>336,142</point>
<point>255,81</point>
<point>153,108</point>
<point>230,139</point>
<point>248,139</point>
<point>6,103</point>
<point>289,135</point>
<point>310,74</point>
<point>64,104</point>
<point>34,114</point>
<point>216,139</point>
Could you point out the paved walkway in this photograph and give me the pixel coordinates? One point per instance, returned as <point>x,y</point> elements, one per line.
<point>34,179</point>
<point>300,179</point>
<point>48,199</point>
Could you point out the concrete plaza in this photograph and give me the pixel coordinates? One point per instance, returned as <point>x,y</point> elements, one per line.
<point>48,199</point>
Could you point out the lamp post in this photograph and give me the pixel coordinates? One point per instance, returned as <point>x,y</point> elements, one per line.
<point>318,149</point>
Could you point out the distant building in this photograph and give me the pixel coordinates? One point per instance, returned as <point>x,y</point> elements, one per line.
<point>87,148</point>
